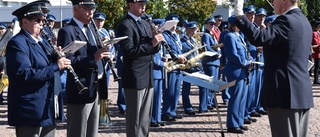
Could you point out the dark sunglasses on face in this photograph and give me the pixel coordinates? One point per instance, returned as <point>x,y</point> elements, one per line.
<point>88,9</point>
<point>211,24</point>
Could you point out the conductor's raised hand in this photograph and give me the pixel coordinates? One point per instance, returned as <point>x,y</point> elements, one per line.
<point>156,39</point>
<point>63,63</point>
<point>102,53</point>
<point>238,7</point>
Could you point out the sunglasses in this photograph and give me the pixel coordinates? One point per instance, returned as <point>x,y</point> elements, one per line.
<point>211,24</point>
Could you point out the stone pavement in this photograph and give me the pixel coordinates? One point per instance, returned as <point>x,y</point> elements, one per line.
<point>199,125</point>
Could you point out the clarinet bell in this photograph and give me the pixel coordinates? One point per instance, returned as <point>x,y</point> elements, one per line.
<point>82,89</point>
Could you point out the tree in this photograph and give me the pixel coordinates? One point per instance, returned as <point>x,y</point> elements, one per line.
<point>114,10</point>
<point>192,10</point>
<point>313,8</point>
<point>157,8</point>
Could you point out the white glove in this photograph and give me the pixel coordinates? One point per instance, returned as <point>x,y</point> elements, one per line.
<point>238,6</point>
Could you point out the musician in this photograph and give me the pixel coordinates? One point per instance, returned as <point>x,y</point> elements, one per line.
<point>121,101</point>
<point>236,69</point>
<point>172,94</point>
<point>210,64</point>
<point>160,61</point>
<point>137,77</point>
<point>250,12</point>
<point>189,43</point>
<point>3,29</point>
<point>316,50</point>
<point>99,19</point>
<point>216,31</point>
<point>287,90</point>
<point>51,20</point>
<point>88,62</point>
<point>260,17</point>
<point>31,69</point>
<point>66,21</point>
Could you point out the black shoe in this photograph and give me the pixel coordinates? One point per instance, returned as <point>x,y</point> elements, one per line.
<point>255,114</point>
<point>244,128</point>
<point>252,119</point>
<point>167,117</point>
<point>190,112</point>
<point>263,112</point>
<point>162,123</point>
<point>154,124</point>
<point>204,111</point>
<point>210,107</point>
<point>247,121</point>
<point>316,82</point>
<point>235,130</point>
<point>178,116</point>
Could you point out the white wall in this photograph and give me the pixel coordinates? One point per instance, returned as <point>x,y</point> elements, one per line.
<point>6,13</point>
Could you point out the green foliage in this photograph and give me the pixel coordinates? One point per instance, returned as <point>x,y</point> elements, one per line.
<point>192,10</point>
<point>313,9</point>
<point>157,8</point>
<point>114,10</point>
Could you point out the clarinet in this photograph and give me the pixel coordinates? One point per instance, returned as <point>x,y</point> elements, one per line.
<point>80,86</point>
<point>109,61</point>
<point>153,27</point>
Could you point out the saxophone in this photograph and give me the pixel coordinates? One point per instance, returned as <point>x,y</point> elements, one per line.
<point>191,63</point>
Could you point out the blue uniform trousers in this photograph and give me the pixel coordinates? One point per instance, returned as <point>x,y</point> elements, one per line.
<point>259,81</point>
<point>251,104</point>
<point>211,71</point>
<point>237,103</point>
<point>156,108</point>
<point>121,100</point>
<point>171,95</point>
<point>187,106</point>
<point>225,94</point>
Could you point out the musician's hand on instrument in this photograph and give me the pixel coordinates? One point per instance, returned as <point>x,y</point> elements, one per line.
<point>259,49</point>
<point>250,65</point>
<point>156,39</point>
<point>101,53</point>
<point>166,64</point>
<point>165,59</point>
<point>182,59</point>
<point>60,51</point>
<point>63,63</point>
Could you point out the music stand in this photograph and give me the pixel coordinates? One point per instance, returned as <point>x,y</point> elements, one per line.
<point>210,83</point>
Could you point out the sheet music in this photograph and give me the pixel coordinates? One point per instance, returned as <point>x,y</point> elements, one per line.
<point>199,75</point>
<point>168,25</point>
<point>73,47</point>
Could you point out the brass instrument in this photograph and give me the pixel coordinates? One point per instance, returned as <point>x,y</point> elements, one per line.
<point>193,62</point>
<point>215,47</point>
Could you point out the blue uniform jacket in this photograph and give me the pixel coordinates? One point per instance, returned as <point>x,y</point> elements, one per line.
<point>208,39</point>
<point>31,77</point>
<point>236,54</point>
<point>187,46</point>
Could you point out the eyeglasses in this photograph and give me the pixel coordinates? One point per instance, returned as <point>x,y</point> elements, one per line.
<point>211,24</point>
<point>88,9</point>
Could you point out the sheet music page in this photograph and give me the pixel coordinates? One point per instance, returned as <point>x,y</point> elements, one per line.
<point>201,76</point>
<point>168,25</point>
<point>73,46</point>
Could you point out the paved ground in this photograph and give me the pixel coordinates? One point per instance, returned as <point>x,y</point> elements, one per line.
<point>199,125</point>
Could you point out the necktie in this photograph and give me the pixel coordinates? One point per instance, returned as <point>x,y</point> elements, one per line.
<point>92,42</point>
<point>141,27</point>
